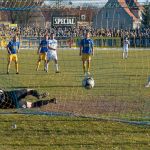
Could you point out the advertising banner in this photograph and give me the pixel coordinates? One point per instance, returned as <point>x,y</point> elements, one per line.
<point>64,21</point>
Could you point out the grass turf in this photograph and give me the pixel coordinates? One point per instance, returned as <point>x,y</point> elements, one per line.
<point>44,132</point>
<point>119,83</point>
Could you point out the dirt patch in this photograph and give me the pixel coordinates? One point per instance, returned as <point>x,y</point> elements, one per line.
<point>96,107</point>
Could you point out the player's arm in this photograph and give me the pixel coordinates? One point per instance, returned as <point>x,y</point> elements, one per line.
<point>92,47</point>
<point>39,48</point>
<point>128,42</point>
<point>92,50</point>
<point>56,45</point>
<point>8,50</point>
<point>18,44</point>
<point>81,47</point>
<point>52,48</point>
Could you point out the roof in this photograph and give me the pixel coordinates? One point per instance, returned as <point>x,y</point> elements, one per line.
<point>138,5</point>
<point>125,7</point>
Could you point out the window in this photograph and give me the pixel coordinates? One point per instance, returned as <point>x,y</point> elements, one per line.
<point>107,14</point>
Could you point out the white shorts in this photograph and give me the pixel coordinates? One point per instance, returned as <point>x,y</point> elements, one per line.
<point>52,55</point>
<point>125,49</point>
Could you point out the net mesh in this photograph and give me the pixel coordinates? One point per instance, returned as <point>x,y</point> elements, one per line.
<point>19,4</point>
<point>117,83</point>
<point>119,94</point>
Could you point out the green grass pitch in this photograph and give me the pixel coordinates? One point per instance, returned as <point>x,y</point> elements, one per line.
<point>119,92</point>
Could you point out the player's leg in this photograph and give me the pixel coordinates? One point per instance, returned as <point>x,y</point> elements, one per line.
<point>45,62</point>
<point>44,58</point>
<point>46,65</point>
<point>38,62</point>
<point>8,66</point>
<point>55,59</point>
<point>43,102</point>
<point>148,83</point>
<point>84,63</point>
<point>26,104</point>
<point>16,64</point>
<point>88,66</point>
<point>9,63</point>
<point>123,54</point>
<point>56,63</point>
<point>126,53</point>
<point>48,60</point>
<point>84,66</point>
<point>22,93</point>
<point>56,66</point>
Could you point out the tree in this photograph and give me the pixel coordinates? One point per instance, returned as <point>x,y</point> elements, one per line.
<point>146,16</point>
<point>19,11</point>
<point>20,17</point>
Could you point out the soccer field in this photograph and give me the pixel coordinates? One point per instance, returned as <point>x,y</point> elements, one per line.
<point>119,93</point>
<point>119,83</point>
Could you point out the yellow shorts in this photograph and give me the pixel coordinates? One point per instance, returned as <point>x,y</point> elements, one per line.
<point>86,57</point>
<point>43,56</point>
<point>13,57</point>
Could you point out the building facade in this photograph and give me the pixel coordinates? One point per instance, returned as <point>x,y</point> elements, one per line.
<point>116,14</point>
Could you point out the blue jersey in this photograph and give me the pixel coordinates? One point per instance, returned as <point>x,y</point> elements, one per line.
<point>87,46</point>
<point>13,46</point>
<point>44,46</point>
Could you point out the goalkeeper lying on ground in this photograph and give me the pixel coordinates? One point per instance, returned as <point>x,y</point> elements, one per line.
<point>15,99</point>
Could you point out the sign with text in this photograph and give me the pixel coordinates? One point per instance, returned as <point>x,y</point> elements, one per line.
<point>64,21</point>
<point>12,25</point>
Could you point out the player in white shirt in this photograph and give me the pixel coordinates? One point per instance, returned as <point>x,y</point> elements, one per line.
<point>125,48</point>
<point>52,52</point>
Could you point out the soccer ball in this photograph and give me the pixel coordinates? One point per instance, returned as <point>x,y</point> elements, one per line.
<point>88,82</point>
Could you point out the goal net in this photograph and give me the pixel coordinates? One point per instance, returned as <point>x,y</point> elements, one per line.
<point>119,93</point>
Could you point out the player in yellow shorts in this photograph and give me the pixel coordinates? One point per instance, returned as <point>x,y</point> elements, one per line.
<point>86,57</point>
<point>42,52</point>
<point>13,49</point>
<point>86,50</point>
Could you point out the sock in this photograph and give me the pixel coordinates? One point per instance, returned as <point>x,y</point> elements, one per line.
<point>56,66</point>
<point>126,54</point>
<point>8,67</point>
<point>16,67</point>
<point>38,65</point>
<point>88,67</point>
<point>84,66</point>
<point>46,67</point>
<point>39,103</point>
<point>123,55</point>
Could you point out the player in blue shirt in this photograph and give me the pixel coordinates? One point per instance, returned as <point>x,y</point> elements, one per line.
<point>86,50</point>
<point>13,49</point>
<point>42,51</point>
